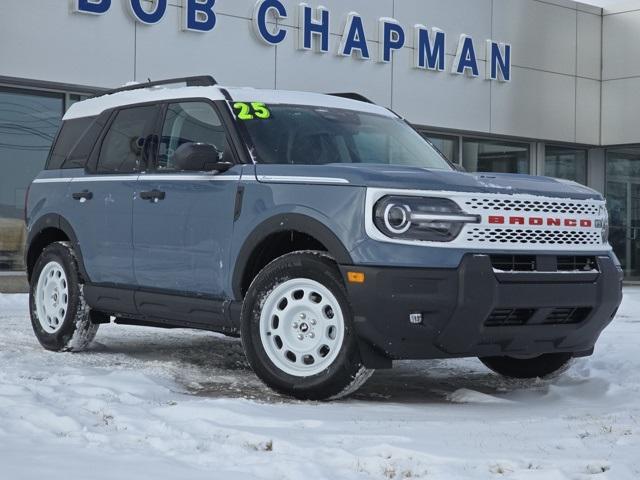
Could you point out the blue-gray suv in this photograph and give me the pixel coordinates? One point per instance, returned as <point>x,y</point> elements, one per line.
<point>321,229</point>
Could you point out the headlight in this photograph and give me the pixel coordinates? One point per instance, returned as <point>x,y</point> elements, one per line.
<point>420,218</point>
<point>604,224</point>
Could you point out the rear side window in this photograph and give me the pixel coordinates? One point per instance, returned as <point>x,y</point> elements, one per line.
<point>82,150</point>
<point>123,147</point>
<point>71,133</point>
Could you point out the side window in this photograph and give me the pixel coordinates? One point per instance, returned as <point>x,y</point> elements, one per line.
<point>123,146</point>
<point>82,150</point>
<point>189,122</point>
<point>71,133</point>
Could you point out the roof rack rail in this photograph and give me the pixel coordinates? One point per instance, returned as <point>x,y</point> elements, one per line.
<point>353,96</point>
<point>197,81</point>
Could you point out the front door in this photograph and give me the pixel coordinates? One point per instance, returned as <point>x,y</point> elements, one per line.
<point>623,198</point>
<point>182,222</point>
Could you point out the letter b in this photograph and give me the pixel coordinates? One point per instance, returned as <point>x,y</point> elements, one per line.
<point>198,15</point>
<point>93,7</point>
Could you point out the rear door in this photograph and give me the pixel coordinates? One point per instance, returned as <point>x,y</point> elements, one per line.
<point>100,198</point>
<point>183,221</point>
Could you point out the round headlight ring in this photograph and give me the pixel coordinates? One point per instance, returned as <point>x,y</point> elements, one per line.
<point>401,213</point>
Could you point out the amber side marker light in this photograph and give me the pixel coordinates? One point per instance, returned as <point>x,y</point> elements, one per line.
<point>355,277</point>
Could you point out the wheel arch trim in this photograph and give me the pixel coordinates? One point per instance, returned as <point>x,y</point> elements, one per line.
<point>296,222</point>
<point>58,222</point>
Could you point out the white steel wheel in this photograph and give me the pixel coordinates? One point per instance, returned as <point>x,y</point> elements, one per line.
<point>302,327</point>
<point>52,297</point>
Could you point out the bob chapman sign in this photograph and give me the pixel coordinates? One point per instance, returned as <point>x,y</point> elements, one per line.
<point>313,34</point>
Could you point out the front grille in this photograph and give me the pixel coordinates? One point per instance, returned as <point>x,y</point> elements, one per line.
<point>567,315</point>
<point>518,317</point>
<point>532,237</point>
<point>509,317</point>
<point>510,205</point>
<point>577,264</point>
<point>514,263</point>
<point>544,263</point>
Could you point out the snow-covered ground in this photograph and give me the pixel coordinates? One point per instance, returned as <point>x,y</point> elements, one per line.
<point>155,404</point>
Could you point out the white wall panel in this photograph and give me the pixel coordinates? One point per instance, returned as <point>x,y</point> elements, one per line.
<point>622,6</point>
<point>588,111</point>
<point>56,45</point>
<point>620,107</point>
<point>229,53</point>
<point>621,45</point>
<point>621,73</point>
<point>440,99</point>
<point>535,104</point>
<point>453,16</point>
<point>589,45</point>
<point>543,35</point>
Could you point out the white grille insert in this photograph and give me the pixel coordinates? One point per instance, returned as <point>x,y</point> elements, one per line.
<point>534,206</point>
<point>532,237</point>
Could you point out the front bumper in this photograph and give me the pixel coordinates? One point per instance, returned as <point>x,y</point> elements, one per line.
<point>475,311</point>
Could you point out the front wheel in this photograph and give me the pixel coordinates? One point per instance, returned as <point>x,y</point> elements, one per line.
<point>524,368</point>
<point>59,315</point>
<point>297,329</point>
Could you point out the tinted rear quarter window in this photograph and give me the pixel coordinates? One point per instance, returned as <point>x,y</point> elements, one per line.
<point>82,150</point>
<point>71,134</point>
<point>123,146</point>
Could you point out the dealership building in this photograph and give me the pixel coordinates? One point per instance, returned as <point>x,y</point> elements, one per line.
<point>544,87</point>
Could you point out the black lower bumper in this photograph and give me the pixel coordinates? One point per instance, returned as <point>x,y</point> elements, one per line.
<point>475,311</point>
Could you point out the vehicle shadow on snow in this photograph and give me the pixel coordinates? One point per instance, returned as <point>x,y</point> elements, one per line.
<point>212,366</point>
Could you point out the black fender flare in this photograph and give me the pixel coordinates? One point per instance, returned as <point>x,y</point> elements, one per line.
<point>53,220</point>
<point>282,223</point>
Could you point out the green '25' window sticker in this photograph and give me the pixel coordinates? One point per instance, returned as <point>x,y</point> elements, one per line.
<point>250,111</point>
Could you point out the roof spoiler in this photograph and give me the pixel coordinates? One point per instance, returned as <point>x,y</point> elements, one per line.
<point>198,81</point>
<point>353,96</point>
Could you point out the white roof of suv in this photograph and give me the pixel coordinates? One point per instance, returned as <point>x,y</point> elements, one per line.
<point>95,106</point>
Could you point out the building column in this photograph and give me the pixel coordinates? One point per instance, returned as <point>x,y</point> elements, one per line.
<point>596,169</point>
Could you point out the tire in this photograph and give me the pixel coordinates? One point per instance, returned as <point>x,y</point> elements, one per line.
<point>538,367</point>
<point>304,346</point>
<point>59,314</point>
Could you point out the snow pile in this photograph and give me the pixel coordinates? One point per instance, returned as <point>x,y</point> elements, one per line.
<point>149,404</point>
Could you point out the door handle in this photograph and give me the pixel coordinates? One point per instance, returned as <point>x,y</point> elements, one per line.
<point>153,195</point>
<point>83,196</point>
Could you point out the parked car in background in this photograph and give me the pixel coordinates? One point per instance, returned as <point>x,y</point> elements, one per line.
<point>12,240</point>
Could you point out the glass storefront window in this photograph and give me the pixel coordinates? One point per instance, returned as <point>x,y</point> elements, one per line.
<point>446,144</point>
<point>74,98</point>
<point>495,156</point>
<point>567,163</point>
<point>29,122</point>
<point>623,201</point>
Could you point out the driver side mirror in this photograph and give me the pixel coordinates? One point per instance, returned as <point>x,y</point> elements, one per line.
<point>200,157</point>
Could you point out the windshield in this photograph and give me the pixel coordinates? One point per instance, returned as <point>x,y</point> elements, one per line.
<point>308,135</point>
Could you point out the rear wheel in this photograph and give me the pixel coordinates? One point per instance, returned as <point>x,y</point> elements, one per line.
<point>297,329</point>
<point>537,367</point>
<point>59,315</point>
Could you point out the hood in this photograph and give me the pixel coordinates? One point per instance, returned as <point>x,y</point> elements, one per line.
<point>413,178</point>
